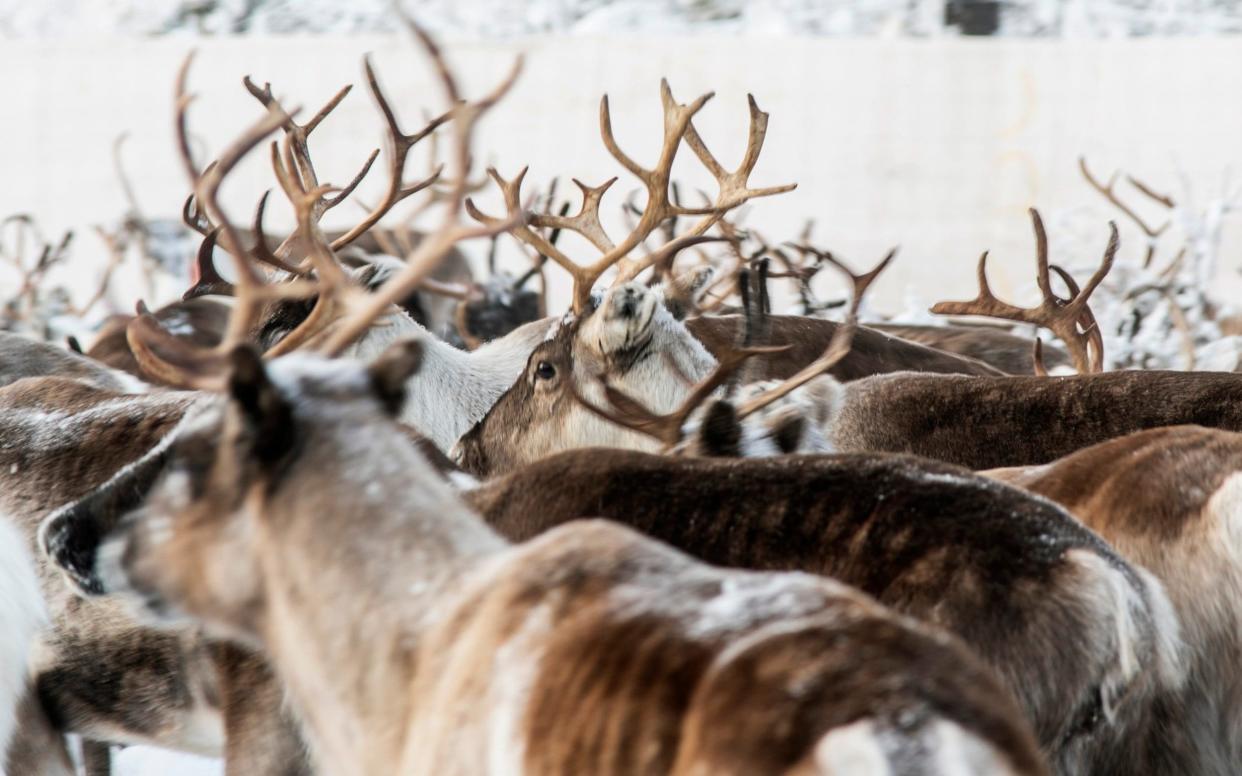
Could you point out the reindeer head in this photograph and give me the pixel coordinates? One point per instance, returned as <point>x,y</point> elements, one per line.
<point>278,447</point>
<point>630,336</point>
<point>279,455</point>
<point>628,333</point>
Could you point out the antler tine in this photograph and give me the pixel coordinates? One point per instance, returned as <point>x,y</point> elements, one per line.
<point>1109,193</point>
<point>262,251</point>
<point>205,278</point>
<point>837,348</point>
<point>661,205</point>
<point>399,145</point>
<point>159,352</point>
<point>298,159</point>
<point>511,191</point>
<point>437,244</point>
<point>1037,356</point>
<point>735,186</point>
<point>1151,193</point>
<point>586,221</point>
<point>658,207</point>
<point>193,217</point>
<point>667,428</point>
<point>299,134</point>
<point>1061,316</point>
<point>116,246</point>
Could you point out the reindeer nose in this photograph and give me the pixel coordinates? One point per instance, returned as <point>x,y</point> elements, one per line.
<point>625,299</point>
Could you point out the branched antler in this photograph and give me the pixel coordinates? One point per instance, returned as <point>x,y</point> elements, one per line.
<point>660,207</point>
<point>1070,319</point>
<point>1109,192</point>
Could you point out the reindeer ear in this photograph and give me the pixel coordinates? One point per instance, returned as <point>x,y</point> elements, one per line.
<point>683,295</point>
<point>268,417</point>
<point>391,370</point>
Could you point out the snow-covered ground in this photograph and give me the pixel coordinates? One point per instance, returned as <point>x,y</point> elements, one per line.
<point>503,19</point>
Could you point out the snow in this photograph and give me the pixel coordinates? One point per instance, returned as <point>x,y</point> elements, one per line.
<point>507,19</point>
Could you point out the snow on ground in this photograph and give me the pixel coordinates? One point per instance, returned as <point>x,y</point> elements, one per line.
<point>498,19</point>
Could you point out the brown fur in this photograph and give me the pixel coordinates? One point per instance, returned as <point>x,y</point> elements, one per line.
<point>587,650</point>
<point>101,673</point>
<point>872,352</point>
<point>1010,353</point>
<point>24,357</point>
<point>987,422</point>
<point>38,748</point>
<point>1168,499</point>
<point>199,322</point>
<point>930,540</point>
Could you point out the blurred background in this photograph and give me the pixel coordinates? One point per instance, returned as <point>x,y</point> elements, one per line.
<point>928,124</point>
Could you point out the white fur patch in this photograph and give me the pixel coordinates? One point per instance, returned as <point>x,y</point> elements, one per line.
<point>852,749</point>
<point>21,617</point>
<point>1142,631</point>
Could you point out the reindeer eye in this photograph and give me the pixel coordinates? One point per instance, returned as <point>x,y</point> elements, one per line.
<point>545,371</point>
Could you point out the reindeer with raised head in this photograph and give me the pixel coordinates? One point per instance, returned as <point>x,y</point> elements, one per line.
<point>987,422</point>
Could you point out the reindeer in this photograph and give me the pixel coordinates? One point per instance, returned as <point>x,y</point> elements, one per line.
<point>98,672</point>
<point>921,537</point>
<point>974,421</point>
<point>858,533</point>
<point>202,321</point>
<point>1009,353</point>
<point>102,674</point>
<point>21,357</point>
<point>569,614</point>
<point>1089,578</point>
<point>1167,499</point>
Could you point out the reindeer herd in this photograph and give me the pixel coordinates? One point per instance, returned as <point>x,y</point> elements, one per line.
<point>347,510</point>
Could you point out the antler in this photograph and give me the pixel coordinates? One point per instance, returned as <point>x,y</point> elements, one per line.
<point>1109,192</point>
<point>629,413</point>
<point>436,245</point>
<point>338,299</point>
<point>660,207</point>
<point>838,346</point>
<point>399,145</point>
<point>31,277</point>
<point>1061,316</point>
<point>157,351</point>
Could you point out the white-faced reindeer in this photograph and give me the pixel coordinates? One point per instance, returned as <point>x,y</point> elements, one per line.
<point>975,421</point>
<point>1171,500</point>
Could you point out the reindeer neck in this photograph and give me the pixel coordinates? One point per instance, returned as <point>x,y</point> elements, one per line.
<point>455,388</point>
<point>352,583</point>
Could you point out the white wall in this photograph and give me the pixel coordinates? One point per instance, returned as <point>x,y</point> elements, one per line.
<point>938,146</point>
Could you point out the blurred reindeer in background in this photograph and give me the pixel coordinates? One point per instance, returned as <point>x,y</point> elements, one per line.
<point>1160,313</point>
